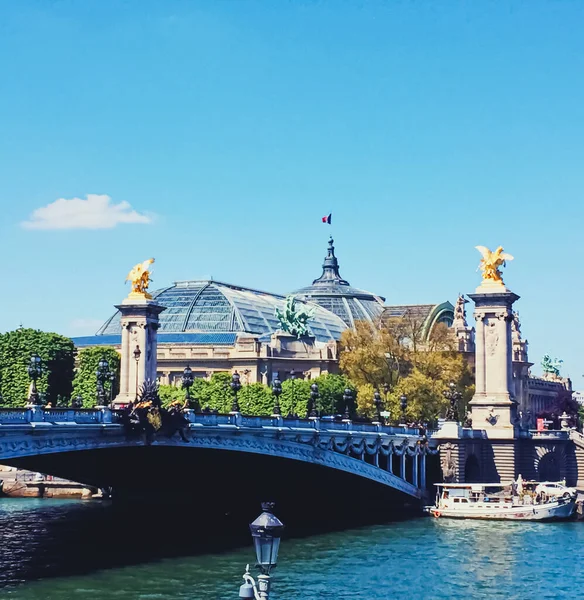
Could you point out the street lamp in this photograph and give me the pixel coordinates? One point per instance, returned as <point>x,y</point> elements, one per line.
<point>187,381</point>
<point>403,402</point>
<point>266,532</point>
<point>112,380</point>
<point>35,370</point>
<point>453,396</point>
<point>378,404</point>
<point>137,354</point>
<point>276,391</point>
<point>313,400</point>
<point>347,399</point>
<point>235,386</point>
<point>102,375</point>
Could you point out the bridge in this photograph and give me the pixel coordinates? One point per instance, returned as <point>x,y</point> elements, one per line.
<point>280,455</point>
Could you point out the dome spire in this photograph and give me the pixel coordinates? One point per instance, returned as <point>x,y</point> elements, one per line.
<point>330,269</point>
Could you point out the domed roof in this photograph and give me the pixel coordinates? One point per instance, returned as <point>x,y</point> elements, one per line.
<point>335,294</point>
<point>212,306</point>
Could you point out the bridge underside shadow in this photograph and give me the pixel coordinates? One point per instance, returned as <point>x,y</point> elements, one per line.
<point>230,485</point>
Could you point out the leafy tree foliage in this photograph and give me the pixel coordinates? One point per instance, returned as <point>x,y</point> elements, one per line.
<point>394,356</point>
<point>85,380</point>
<point>57,355</point>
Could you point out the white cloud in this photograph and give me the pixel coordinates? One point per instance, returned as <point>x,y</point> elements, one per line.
<point>96,212</point>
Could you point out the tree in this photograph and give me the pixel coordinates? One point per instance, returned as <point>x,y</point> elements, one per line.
<point>256,399</point>
<point>85,380</point>
<point>170,393</point>
<point>393,356</point>
<point>295,397</point>
<point>372,355</point>
<point>57,354</point>
<point>331,389</point>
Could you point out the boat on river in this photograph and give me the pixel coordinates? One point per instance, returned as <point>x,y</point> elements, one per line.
<point>516,501</point>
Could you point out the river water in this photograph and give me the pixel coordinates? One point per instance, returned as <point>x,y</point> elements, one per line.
<point>67,550</point>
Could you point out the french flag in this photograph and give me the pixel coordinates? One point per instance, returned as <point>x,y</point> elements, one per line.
<point>327,219</point>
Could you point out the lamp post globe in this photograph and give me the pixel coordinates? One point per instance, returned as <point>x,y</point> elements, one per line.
<point>235,386</point>
<point>34,372</point>
<point>187,381</point>
<point>313,414</point>
<point>276,392</point>
<point>347,399</point>
<point>266,532</point>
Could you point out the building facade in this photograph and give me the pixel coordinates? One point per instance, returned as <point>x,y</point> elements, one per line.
<point>213,326</point>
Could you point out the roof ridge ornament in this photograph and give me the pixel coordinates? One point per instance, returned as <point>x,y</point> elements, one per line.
<point>330,268</point>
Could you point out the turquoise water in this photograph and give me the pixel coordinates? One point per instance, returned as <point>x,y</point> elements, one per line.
<point>422,558</point>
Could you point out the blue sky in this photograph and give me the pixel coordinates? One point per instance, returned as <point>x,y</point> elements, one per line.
<point>232,127</point>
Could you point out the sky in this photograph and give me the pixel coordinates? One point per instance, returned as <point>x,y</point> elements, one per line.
<point>214,136</point>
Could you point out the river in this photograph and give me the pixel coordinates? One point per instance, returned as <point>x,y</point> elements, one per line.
<point>68,550</point>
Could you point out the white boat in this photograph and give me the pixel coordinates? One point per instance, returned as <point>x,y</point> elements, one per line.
<point>517,501</point>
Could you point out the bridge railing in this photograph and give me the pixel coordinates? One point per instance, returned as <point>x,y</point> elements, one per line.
<point>39,414</point>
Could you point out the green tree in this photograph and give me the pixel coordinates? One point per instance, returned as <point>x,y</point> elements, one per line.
<point>331,388</point>
<point>170,393</point>
<point>85,380</point>
<point>57,354</point>
<point>256,399</point>
<point>295,397</point>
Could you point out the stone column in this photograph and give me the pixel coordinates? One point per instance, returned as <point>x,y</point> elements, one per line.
<point>139,329</point>
<point>493,406</point>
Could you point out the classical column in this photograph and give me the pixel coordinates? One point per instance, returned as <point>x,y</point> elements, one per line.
<point>139,322</point>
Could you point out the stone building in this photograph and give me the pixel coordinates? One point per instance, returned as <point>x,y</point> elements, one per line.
<point>213,326</point>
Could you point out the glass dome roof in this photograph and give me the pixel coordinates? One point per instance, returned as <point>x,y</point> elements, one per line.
<point>212,306</point>
<point>336,295</point>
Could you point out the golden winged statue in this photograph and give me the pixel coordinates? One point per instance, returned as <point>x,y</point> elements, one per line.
<point>491,262</point>
<point>139,277</point>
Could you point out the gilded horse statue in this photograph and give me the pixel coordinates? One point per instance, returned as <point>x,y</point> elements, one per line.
<point>491,262</point>
<point>139,277</point>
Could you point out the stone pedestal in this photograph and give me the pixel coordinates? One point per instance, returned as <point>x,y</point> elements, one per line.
<point>493,406</point>
<point>139,329</point>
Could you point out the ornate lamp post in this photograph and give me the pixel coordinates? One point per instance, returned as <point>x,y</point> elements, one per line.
<point>137,352</point>
<point>187,381</point>
<point>403,402</point>
<point>276,392</point>
<point>266,532</point>
<point>378,405</point>
<point>347,399</point>
<point>35,370</point>
<point>235,386</point>
<point>453,396</point>
<point>112,381</point>
<point>102,375</point>
<point>313,414</point>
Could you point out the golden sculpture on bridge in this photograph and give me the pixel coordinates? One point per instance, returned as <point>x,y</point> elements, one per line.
<point>139,277</point>
<point>491,262</point>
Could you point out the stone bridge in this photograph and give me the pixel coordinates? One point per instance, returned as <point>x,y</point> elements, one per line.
<point>223,455</point>
<point>550,455</point>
